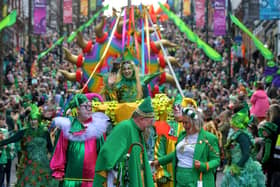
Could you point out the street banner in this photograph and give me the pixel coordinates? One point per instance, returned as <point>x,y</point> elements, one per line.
<point>67,11</point>
<point>92,5</point>
<point>99,3</point>
<point>84,7</point>
<point>39,17</point>
<point>5,8</point>
<point>8,20</point>
<point>199,13</point>
<point>177,5</point>
<point>269,9</point>
<point>170,3</point>
<point>187,8</point>
<point>219,18</point>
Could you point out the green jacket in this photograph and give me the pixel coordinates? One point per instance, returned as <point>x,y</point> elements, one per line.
<point>206,150</point>
<point>116,148</point>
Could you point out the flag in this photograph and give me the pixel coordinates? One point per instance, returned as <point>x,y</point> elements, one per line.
<point>9,20</point>
<point>259,45</point>
<point>187,8</point>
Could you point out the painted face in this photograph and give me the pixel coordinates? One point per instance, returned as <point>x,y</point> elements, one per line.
<point>127,70</point>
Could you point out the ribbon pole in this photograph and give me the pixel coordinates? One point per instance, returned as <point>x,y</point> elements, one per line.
<point>165,57</point>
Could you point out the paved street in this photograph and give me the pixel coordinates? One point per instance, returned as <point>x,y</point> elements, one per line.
<point>13,175</point>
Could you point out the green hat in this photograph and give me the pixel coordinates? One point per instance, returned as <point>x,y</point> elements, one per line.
<point>240,119</point>
<point>269,128</point>
<point>178,100</point>
<point>76,101</point>
<point>270,64</point>
<point>145,109</point>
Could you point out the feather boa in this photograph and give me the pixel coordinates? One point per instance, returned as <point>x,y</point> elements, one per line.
<point>95,128</point>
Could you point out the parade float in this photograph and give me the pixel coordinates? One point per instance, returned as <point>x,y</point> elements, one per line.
<point>134,37</point>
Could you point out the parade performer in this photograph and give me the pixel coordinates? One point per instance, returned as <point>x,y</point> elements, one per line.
<point>168,133</point>
<point>123,136</point>
<point>241,169</point>
<point>33,168</point>
<point>196,155</point>
<point>125,86</point>
<point>80,139</point>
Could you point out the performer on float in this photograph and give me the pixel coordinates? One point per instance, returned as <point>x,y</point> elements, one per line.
<point>80,139</point>
<point>120,147</point>
<point>33,169</point>
<point>125,86</point>
<point>241,169</point>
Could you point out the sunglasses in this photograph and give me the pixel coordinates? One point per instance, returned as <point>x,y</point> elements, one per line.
<point>190,113</point>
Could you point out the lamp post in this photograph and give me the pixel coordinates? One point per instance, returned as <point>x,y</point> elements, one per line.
<point>206,20</point>
<point>60,24</point>
<point>229,41</point>
<point>1,54</point>
<point>30,29</point>
<point>78,14</point>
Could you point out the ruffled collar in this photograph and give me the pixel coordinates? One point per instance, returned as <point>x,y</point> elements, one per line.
<point>75,131</point>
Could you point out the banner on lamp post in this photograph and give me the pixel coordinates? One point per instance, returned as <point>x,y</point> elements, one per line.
<point>187,8</point>
<point>39,16</point>
<point>67,11</point>
<point>219,18</point>
<point>200,13</point>
<point>84,7</point>
<point>92,5</point>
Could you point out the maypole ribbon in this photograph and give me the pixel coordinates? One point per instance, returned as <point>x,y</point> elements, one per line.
<point>129,26</point>
<point>135,35</point>
<point>148,37</point>
<point>268,55</point>
<point>104,53</point>
<point>209,51</point>
<point>8,20</point>
<point>124,29</point>
<point>142,42</point>
<point>167,60</point>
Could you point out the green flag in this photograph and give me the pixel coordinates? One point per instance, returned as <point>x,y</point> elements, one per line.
<point>59,41</point>
<point>87,24</point>
<point>181,25</point>
<point>259,45</point>
<point>9,20</point>
<point>209,51</point>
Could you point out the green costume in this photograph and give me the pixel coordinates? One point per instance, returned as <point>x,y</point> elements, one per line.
<point>241,169</point>
<point>117,146</point>
<point>33,169</point>
<point>206,151</point>
<point>271,130</point>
